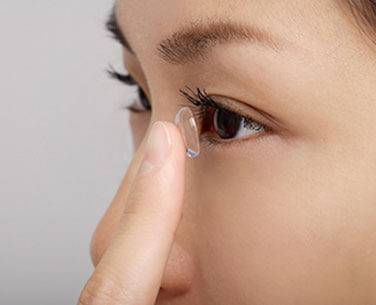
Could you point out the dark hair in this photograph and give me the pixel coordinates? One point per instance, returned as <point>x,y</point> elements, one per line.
<point>365,14</point>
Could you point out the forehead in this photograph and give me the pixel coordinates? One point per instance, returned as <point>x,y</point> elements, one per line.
<point>146,22</point>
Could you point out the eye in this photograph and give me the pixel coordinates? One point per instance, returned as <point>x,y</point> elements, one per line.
<point>229,125</point>
<point>141,103</point>
<point>220,124</point>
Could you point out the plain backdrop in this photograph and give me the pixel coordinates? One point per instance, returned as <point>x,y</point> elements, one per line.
<point>65,144</point>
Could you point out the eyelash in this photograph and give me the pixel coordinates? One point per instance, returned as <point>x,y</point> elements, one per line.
<point>201,105</point>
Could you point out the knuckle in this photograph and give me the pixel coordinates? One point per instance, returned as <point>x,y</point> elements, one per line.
<point>102,289</point>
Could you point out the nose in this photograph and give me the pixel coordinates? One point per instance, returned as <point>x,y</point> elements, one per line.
<point>179,273</point>
<point>179,268</point>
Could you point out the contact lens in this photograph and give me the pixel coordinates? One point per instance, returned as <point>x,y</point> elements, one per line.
<point>185,121</point>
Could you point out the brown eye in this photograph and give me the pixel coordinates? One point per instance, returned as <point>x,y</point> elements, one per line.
<point>229,125</point>
<point>226,124</point>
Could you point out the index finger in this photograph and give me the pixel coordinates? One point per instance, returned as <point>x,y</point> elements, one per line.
<point>131,269</point>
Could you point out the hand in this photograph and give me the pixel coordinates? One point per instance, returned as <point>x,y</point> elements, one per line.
<point>131,269</point>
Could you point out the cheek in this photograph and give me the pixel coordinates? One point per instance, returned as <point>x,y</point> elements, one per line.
<point>287,225</point>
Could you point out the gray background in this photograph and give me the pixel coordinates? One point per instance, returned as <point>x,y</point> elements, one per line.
<point>65,144</point>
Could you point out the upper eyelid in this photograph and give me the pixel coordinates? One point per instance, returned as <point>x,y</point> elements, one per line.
<point>211,102</point>
<point>129,80</point>
<point>194,98</point>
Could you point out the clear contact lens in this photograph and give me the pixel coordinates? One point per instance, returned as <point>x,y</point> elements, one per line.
<point>186,123</point>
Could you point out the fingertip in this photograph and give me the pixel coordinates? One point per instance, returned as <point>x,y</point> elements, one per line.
<point>176,137</point>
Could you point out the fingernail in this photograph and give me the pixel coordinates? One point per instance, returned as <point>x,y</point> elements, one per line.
<point>157,147</point>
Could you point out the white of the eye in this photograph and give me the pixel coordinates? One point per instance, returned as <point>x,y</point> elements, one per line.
<point>246,131</point>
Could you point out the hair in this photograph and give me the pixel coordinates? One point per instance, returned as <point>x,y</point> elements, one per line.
<point>364,12</point>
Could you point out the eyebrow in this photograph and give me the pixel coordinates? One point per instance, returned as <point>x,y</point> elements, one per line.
<point>194,42</point>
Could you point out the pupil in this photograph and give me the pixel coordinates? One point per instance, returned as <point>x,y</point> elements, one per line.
<point>144,100</point>
<point>226,123</point>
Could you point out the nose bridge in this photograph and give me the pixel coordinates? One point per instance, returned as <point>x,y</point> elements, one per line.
<point>181,270</point>
<point>181,267</point>
<point>166,105</point>
<point>164,109</point>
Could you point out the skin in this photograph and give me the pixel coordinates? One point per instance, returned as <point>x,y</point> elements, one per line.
<point>286,219</point>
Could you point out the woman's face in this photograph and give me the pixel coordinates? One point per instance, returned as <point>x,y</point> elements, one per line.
<point>280,217</point>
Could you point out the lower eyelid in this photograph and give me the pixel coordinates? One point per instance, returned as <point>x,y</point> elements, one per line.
<point>209,141</point>
<point>233,146</point>
<point>134,110</point>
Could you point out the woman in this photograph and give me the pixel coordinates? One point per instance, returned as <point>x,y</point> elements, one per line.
<point>280,206</point>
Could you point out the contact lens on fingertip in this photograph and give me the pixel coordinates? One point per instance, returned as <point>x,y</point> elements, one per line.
<point>185,121</point>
